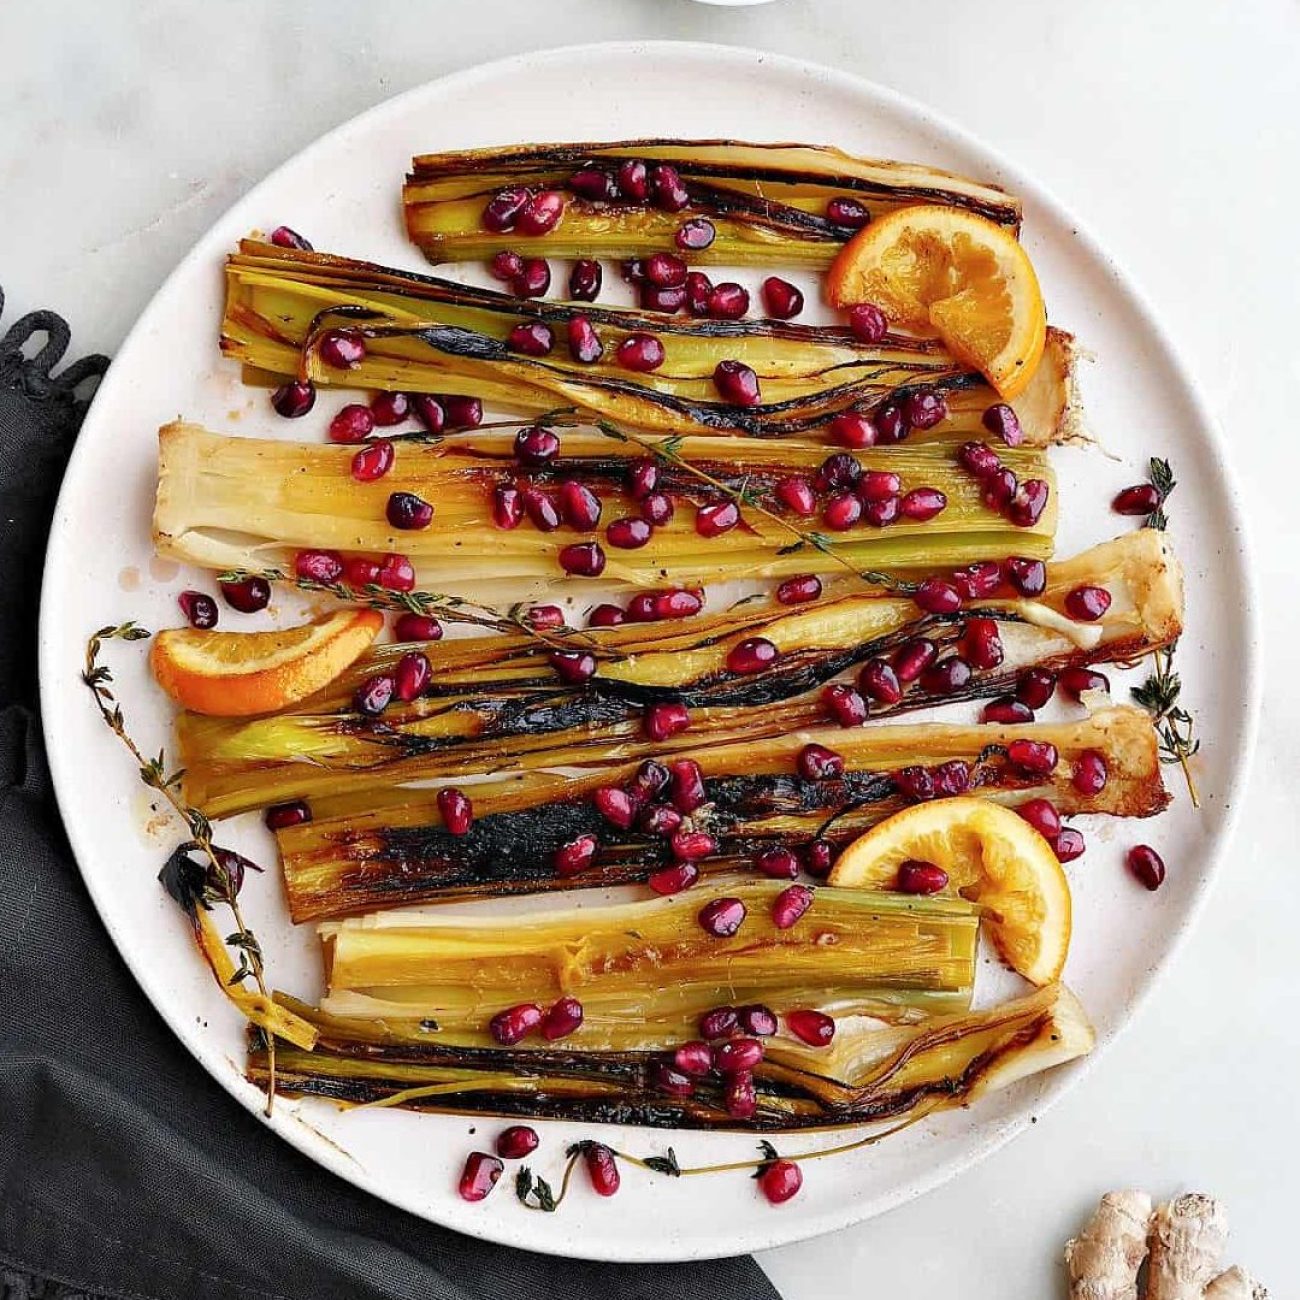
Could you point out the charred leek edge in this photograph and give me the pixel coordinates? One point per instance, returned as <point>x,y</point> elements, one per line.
<point>497,703</point>
<point>645,971</point>
<point>943,1062</point>
<point>767,202</point>
<point>245,503</point>
<point>373,848</point>
<point>424,334</point>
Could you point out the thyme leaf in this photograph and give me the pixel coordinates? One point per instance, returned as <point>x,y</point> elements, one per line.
<point>665,1164</point>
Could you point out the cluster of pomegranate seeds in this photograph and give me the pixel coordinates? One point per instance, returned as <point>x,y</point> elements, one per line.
<point>722,917</point>
<point>200,609</point>
<point>915,877</point>
<point>1001,421</point>
<point>417,627</point>
<point>1146,865</point>
<point>534,338</point>
<point>781,299</point>
<point>812,1027</point>
<point>409,512</point>
<point>352,423</point>
<point>342,349</point>
<point>516,1142</point>
<point>372,462</point>
<point>479,1176</point>
<point>281,816</point>
<point>1140,499</point>
<point>1021,503</point>
<point>295,399</point>
<point>583,559</point>
<point>456,810</point>
<point>844,704</point>
<point>286,237</point>
<point>247,595</point>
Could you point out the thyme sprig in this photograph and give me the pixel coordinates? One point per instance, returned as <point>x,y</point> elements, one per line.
<point>221,873</point>
<point>1162,479</point>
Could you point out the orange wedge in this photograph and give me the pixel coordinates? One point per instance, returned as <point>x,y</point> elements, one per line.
<point>947,273</point>
<point>237,674</point>
<point>993,857</point>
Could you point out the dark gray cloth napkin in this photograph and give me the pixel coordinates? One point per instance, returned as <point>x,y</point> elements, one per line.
<point>125,1171</point>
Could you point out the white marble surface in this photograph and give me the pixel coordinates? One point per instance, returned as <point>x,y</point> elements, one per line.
<point>1172,126</point>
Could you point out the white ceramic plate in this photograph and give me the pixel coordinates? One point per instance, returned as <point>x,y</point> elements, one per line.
<point>342,193</point>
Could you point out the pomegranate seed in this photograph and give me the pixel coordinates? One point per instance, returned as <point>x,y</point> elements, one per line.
<point>633,180</point>
<point>1075,681</point>
<point>541,509</point>
<point>736,383</point>
<point>575,856</point>
<point>694,1058</point>
<point>462,412</point>
<point>817,763</point>
<point>285,237</point>
<point>533,338</point>
<point>666,189</point>
<point>281,816</point>
<point>698,288</point>
<point>721,1022</point>
<point>503,209</point>
<point>542,618</point>
<point>845,705</point>
<point>842,511</point>
<point>677,603</point>
<point>541,213</point>
<point>594,185</point>
<point>629,534</point>
<point>818,858</point>
<point>1041,814</point>
<point>867,322</point>
<point>199,609</point>
<point>584,345</point>
<point>411,676</point>
<point>342,349</point>
<point>396,573</point>
<point>739,1097</point>
<point>728,301</point>
<point>1028,577</point>
<point>633,270</point>
<point>665,719</point>
<point>579,505</point>
<point>358,571</point>
<point>722,917</point>
<point>777,864</point>
<point>562,1019</point>
<point>923,503</point>
<point>641,352</point>
<point>1087,604</point>
<point>979,459</point>
<point>514,1024</point>
<point>797,494</point>
<point>936,596</point>
<point>692,846</point>
<point>642,478</point>
<point>912,658</point>
<point>583,559</point>
<point>456,810</point>
<point>1140,499</point>
<point>585,280</point>
<point>1069,845</point>
<point>880,514</point>
<point>601,1169</point>
<point>790,904</point>
<point>606,615</point>
<point>1033,757</point>
<point>736,1054</point>
<point>1090,772</point>
<point>879,682</point>
<point>977,581</point>
<point>849,213</point>
<point>797,591</point>
<point>352,423</point>
<point>429,411</point>
<point>811,1027</point>
<point>666,1078</point>
<point>673,880</point>
<point>921,878</point>
<point>780,1180</point>
<point>516,1142</point>
<point>1034,687</point>
<point>1146,864</point>
<point>891,423</point>
<point>1008,710</point>
<point>248,595</point>
<point>983,643</point>
<point>507,506</point>
<point>388,409</point>
<point>998,489</point>
<point>669,301</point>
<point>757,1020</point>
<point>573,666</point>
<point>657,509</point>
<point>716,519</point>
<point>752,655</point>
<point>665,270</point>
<point>417,627</point>
<point>374,695</point>
<point>533,280</point>
<point>479,1176</point>
<point>686,785</point>
<point>373,462</point>
<point>615,806</point>
<point>781,298</point>
<point>659,819</point>
<point>651,780</point>
<point>506,265</point>
<point>692,236</point>
<point>1001,420</point>
<point>838,470</point>
<point>924,408</point>
<point>318,566</point>
<point>295,399</point>
<point>853,429</point>
<point>878,485</point>
<point>946,676</point>
<point>407,511</point>
<point>950,778</point>
<point>1029,502</point>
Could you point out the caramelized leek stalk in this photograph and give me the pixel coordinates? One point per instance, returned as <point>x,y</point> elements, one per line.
<point>871,1072</point>
<point>229,503</point>
<point>767,202</point>
<point>496,702</point>
<point>384,848</point>
<point>424,334</point>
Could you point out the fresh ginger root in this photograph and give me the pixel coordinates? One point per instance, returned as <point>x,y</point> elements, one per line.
<point>1182,1243</point>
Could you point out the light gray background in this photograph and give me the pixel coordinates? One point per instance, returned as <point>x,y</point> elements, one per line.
<point>1171,126</point>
